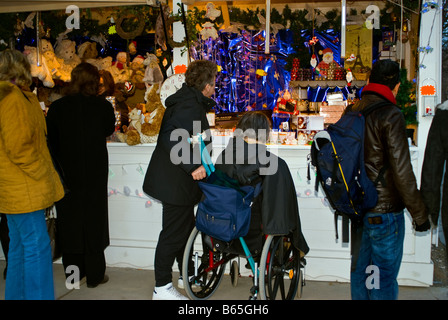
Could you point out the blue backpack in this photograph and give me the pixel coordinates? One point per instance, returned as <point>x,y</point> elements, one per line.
<point>337,153</point>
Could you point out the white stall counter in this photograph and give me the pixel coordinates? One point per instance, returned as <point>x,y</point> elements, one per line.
<point>135,220</point>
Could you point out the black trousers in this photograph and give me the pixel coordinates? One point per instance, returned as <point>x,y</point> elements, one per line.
<point>177,224</point>
<point>91,265</point>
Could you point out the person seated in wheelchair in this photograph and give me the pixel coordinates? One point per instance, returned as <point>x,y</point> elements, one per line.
<point>246,159</point>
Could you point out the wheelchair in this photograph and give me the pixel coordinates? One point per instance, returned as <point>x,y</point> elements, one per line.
<point>277,271</point>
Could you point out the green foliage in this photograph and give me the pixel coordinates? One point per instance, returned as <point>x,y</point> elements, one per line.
<point>406,98</point>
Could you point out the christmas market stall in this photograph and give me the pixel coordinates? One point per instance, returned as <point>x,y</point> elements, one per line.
<point>299,62</point>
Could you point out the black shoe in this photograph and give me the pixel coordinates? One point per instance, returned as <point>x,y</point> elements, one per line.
<point>105,279</point>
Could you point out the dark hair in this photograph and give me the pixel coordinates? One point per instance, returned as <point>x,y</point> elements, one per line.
<point>85,80</point>
<point>108,82</point>
<point>386,72</point>
<point>200,73</point>
<point>254,125</point>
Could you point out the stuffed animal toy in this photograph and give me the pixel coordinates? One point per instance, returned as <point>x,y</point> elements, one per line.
<point>132,133</point>
<point>119,69</point>
<point>135,119</point>
<point>153,73</point>
<point>132,137</point>
<point>66,50</point>
<point>46,46</point>
<point>132,48</point>
<point>155,111</point>
<point>103,63</point>
<point>41,72</point>
<point>121,61</point>
<point>160,38</point>
<point>138,72</point>
<point>208,31</point>
<point>55,66</point>
<point>87,51</point>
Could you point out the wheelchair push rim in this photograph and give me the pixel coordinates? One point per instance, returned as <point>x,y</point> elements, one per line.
<point>204,266</point>
<point>280,271</point>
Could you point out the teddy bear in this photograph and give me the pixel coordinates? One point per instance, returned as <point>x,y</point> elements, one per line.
<point>103,63</point>
<point>41,72</point>
<point>66,50</point>
<point>56,66</point>
<point>155,111</point>
<point>45,45</point>
<point>153,73</point>
<point>132,134</point>
<point>87,51</point>
<point>138,72</point>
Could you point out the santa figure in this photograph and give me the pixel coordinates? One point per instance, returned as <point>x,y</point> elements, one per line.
<point>327,61</point>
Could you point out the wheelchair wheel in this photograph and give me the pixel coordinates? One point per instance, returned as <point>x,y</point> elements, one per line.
<point>208,265</point>
<point>279,269</point>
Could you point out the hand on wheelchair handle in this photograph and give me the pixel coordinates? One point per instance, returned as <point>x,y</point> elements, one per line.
<point>199,173</point>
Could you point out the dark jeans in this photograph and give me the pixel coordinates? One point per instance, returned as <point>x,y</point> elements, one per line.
<point>177,224</point>
<point>375,277</point>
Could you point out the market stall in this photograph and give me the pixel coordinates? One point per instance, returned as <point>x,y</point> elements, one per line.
<point>302,72</point>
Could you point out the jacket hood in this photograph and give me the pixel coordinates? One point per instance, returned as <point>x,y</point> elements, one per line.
<point>187,93</point>
<point>5,89</point>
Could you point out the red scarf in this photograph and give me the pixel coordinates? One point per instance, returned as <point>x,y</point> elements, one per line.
<point>380,89</point>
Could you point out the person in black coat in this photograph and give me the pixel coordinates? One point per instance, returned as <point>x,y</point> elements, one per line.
<point>175,168</point>
<point>78,125</point>
<point>246,159</point>
<point>434,174</point>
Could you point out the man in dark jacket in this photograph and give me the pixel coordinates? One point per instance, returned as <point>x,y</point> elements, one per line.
<point>175,168</point>
<point>434,171</point>
<point>387,159</point>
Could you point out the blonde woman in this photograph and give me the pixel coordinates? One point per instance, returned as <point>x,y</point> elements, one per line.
<point>28,182</point>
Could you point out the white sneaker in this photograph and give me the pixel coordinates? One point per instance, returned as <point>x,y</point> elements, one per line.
<point>180,282</point>
<point>167,292</point>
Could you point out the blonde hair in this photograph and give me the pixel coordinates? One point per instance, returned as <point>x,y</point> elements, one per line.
<point>14,67</point>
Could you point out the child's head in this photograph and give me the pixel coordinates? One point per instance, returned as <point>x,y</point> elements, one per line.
<point>254,125</point>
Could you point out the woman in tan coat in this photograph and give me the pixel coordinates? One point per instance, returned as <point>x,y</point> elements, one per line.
<point>28,182</point>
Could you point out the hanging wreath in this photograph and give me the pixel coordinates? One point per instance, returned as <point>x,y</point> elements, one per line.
<point>128,35</point>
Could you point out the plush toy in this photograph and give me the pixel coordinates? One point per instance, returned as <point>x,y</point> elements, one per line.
<point>208,31</point>
<point>87,51</point>
<point>131,134</point>
<point>160,38</point>
<point>135,119</point>
<point>41,72</point>
<point>121,61</point>
<point>155,110</point>
<point>66,50</point>
<point>138,72</point>
<point>46,46</point>
<point>153,73</point>
<point>119,70</point>
<point>56,66</point>
<point>103,63</point>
